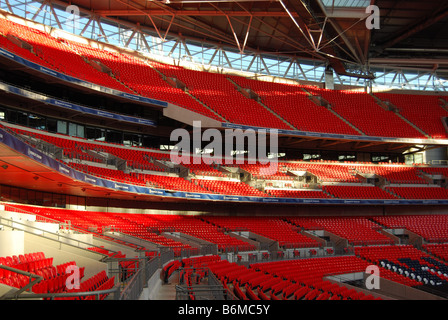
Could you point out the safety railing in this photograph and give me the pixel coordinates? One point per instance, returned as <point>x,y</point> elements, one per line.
<point>210,289</point>
<point>26,291</point>
<point>66,223</point>
<point>59,237</point>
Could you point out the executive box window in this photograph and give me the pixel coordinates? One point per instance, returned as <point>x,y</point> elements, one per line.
<point>34,197</point>
<point>62,127</point>
<point>95,134</point>
<point>132,140</point>
<point>114,136</point>
<point>17,117</point>
<point>56,126</point>
<point>76,130</point>
<point>36,122</point>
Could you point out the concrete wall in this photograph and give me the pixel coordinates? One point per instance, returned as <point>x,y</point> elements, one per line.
<point>63,253</point>
<point>12,243</point>
<point>401,292</point>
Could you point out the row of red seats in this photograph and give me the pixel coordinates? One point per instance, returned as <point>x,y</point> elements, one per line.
<point>439,250</point>
<point>54,277</point>
<point>141,77</point>
<point>428,193</point>
<point>229,187</point>
<point>265,172</point>
<point>58,56</point>
<point>22,258</point>
<point>292,103</point>
<point>128,73</point>
<point>357,192</point>
<point>286,230</point>
<point>395,174</point>
<point>77,148</point>
<point>97,282</point>
<point>301,194</point>
<point>287,100</point>
<point>221,95</point>
<point>357,230</point>
<point>394,254</point>
<point>192,226</point>
<point>203,169</point>
<point>433,228</point>
<point>272,228</point>
<point>71,149</point>
<point>100,221</point>
<point>265,279</point>
<point>367,115</point>
<point>422,110</point>
<point>310,272</point>
<point>324,171</point>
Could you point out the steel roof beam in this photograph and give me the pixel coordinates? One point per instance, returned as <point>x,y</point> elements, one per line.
<point>400,36</point>
<point>207,13</point>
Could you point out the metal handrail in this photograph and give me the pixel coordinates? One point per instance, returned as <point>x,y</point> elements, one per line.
<point>134,287</point>
<point>30,275</point>
<point>114,291</point>
<point>137,247</point>
<point>14,224</point>
<point>19,293</point>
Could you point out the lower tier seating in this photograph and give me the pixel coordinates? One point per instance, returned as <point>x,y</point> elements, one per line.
<point>54,276</point>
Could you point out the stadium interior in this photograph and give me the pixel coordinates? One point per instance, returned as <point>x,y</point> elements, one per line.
<point>93,205</point>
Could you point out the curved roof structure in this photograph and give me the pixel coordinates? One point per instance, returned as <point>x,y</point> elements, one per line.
<point>348,35</point>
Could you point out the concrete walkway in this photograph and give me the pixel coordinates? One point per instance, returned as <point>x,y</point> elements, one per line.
<point>168,290</point>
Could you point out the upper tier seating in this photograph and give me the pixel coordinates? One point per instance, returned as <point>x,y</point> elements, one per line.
<point>361,110</point>
<point>291,103</point>
<point>141,77</point>
<point>57,56</point>
<point>220,94</point>
<point>422,110</point>
<point>285,103</point>
<point>133,75</point>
